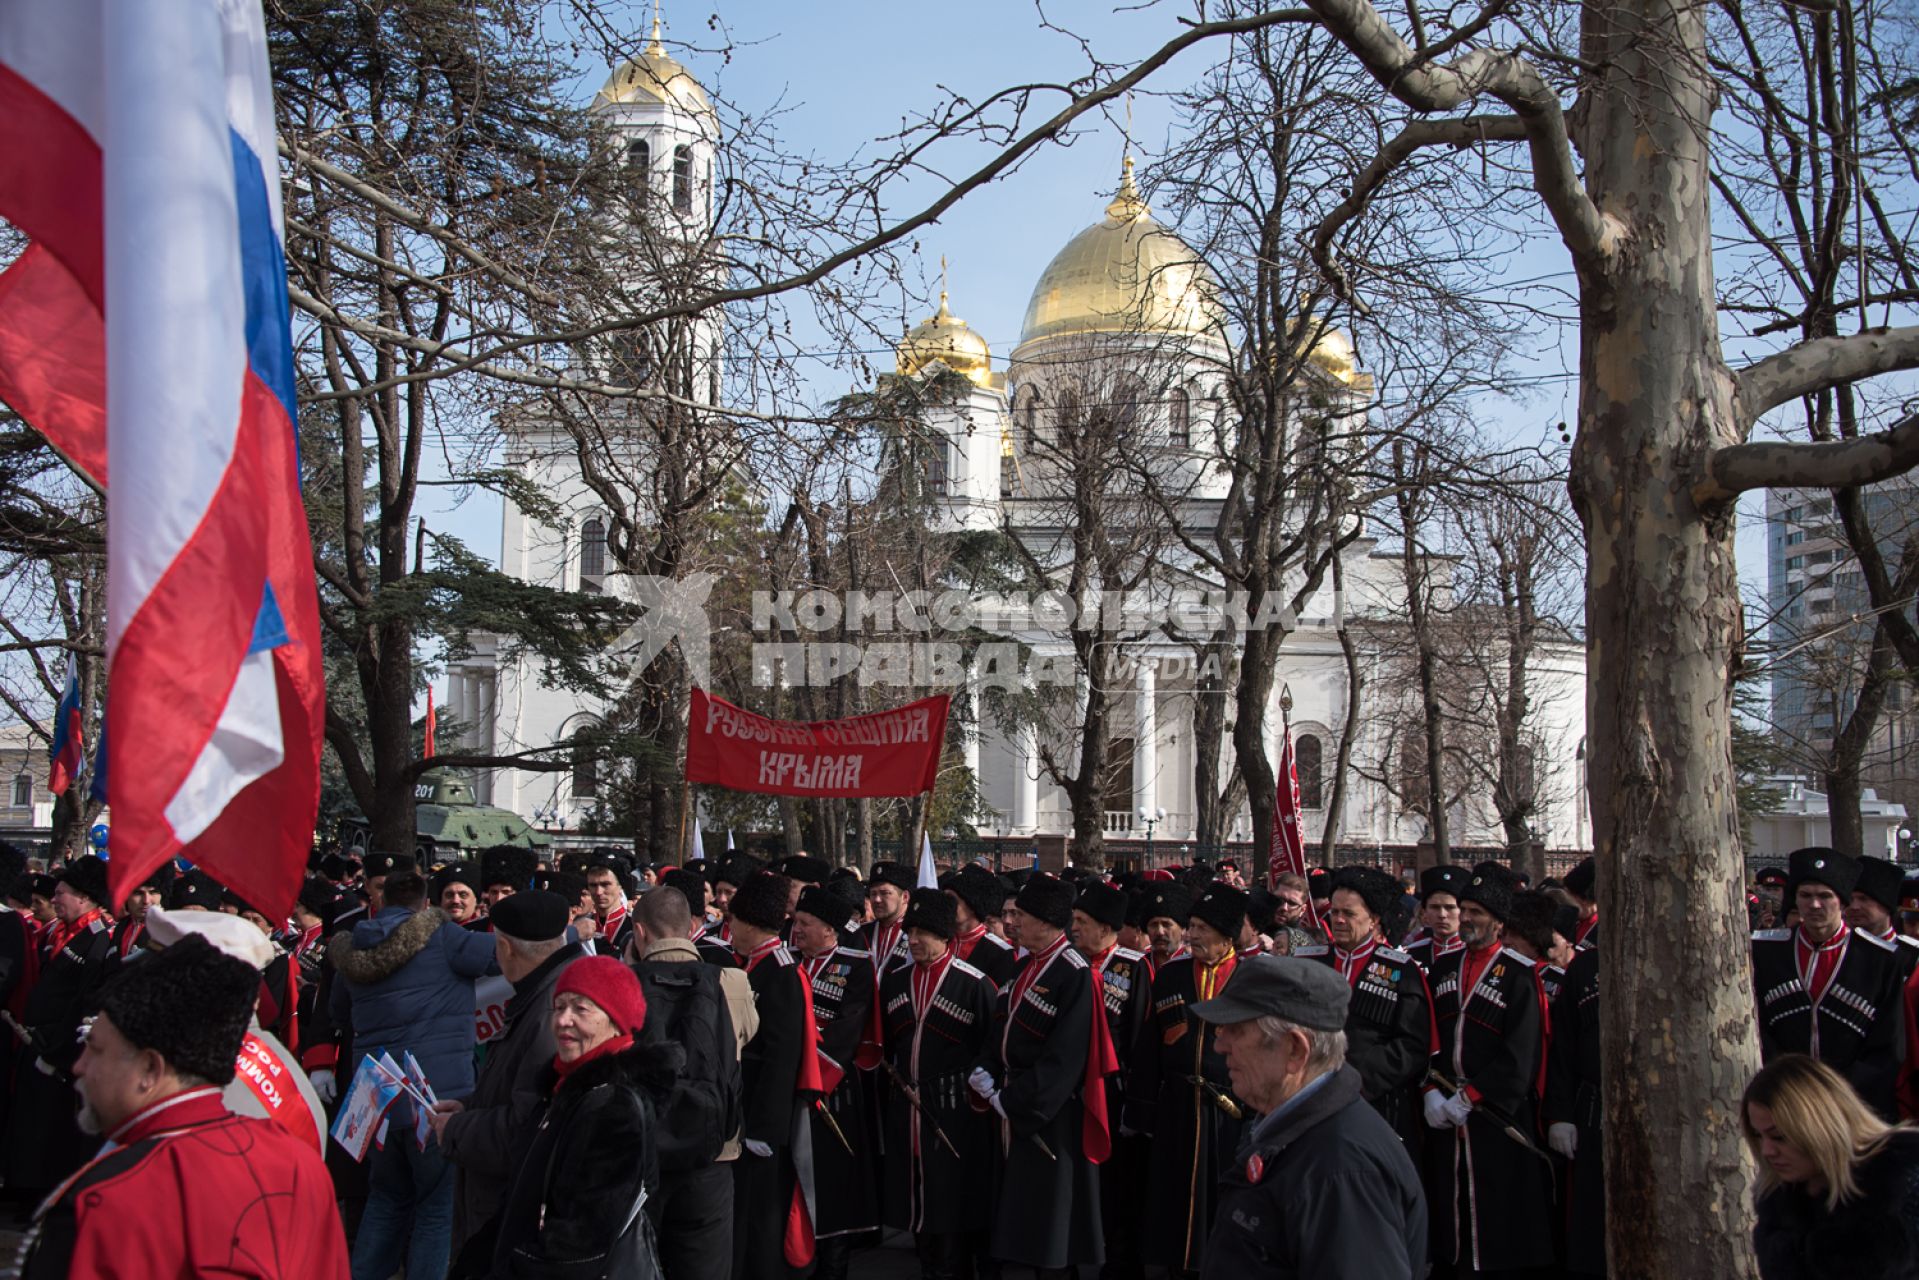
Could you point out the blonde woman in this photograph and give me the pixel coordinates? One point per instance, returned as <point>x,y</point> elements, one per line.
<point>1838,1190</point>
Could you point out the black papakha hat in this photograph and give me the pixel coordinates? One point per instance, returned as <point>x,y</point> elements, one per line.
<point>1047,899</point>
<point>1442,880</point>
<point>1580,880</point>
<point>826,906</point>
<point>933,912</point>
<point>1103,903</point>
<point>896,874</point>
<point>1378,890</point>
<point>508,864</point>
<point>1169,900</point>
<point>761,901</point>
<point>1880,880</point>
<point>1222,907</point>
<point>978,888</point>
<point>189,1003</point>
<point>87,875</point>
<point>1492,889</point>
<point>1820,865</point>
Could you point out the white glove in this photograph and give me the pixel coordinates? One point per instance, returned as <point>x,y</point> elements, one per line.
<point>758,1148</point>
<point>325,1087</point>
<point>45,1068</point>
<point>1563,1138</point>
<point>981,1082</point>
<point>1457,1108</point>
<point>1435,1107</point>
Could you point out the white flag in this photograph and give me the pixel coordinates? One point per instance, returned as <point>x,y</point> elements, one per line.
<point>929,878</point>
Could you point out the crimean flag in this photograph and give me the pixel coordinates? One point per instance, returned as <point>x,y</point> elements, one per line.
<point>145,332</point>
<point>68,752</point>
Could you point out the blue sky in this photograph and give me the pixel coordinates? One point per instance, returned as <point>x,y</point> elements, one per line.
<point>847,72</point>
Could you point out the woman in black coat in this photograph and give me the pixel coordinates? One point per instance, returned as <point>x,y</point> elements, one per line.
<point>1838,1192</point>
<point>575,1210</point>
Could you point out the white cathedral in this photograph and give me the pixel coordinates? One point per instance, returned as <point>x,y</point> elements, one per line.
<point>1128,291</point>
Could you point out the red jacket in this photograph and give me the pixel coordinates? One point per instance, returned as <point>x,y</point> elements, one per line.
<point>193,1190</point>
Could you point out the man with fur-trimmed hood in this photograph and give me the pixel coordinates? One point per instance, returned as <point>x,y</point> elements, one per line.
<point>405,985</point>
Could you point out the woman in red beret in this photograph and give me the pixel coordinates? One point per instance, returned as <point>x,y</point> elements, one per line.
<point>578,1201</point>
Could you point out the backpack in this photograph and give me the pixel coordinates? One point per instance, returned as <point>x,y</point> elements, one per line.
<point>686,1006</point>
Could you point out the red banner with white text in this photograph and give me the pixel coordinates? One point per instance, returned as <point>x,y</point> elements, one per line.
<point>886,753</point>
<point>1288,852</point>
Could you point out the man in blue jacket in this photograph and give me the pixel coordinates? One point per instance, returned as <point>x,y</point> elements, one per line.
<point>406,985</point>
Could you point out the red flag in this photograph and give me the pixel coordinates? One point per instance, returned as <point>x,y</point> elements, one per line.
<point>1288,852</point>
<point>798,1244</point>
<point>1096,1130</point>
<point>430,721</point>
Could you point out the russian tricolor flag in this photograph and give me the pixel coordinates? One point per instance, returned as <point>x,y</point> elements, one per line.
<point>146,333</point>
<point>68,752</point>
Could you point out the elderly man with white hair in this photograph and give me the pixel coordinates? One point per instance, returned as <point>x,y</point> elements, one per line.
<point>1321,1185</point>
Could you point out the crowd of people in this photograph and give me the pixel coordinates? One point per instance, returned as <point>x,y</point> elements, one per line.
<point>743,1070</point>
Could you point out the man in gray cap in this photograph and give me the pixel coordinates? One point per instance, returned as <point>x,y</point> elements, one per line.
<point>1321,1185</point>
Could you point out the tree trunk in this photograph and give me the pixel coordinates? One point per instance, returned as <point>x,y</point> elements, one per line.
<point>1086,790</point>
<point>1253,694</point>
<point>1348,735</point>
<point>1211,814</point>
<point>1843,790</point>
<point>1663,631</point>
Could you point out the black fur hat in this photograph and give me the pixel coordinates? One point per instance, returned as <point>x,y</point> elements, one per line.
<point>826,906</point>
<point>691,885</point>
<point>897,874</point>
<point>188,1003</point>
<point>1224,908</point>
<point>86,875</point>
<point>1566,921</point>
<point>849,889</point>
<point>459,873</point>
<point>933,912</point>
<point>1169,899</point>
<point>1103,903</point>
<point>761,901</point>
<point>13,862</point>
<point>1491,887</point>
<point>1531,918</point>
<point>1379,891</point>
<point>1262,909</point>
<point>736,870</point>
<point>1447,879</point>
<point>389,864</point>
<point>1047,899</point>
<point>1580,880</point>
<point>1880,880</point>
<point>508,864</point>
<point>323,900</point>
<point>978,888</point>
<point>568,884</point>
<point>805,868</point>
<point>1820,865</point>
<point>161,877</point>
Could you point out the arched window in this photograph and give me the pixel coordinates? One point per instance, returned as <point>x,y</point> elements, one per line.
<point>1068,419</point>
<point>23,791</point>
<point>1031,424</point>
<point>1180,419</point>
<point>592,554</point>
<point>683,178</point>
<point>639,166</point>
<point>1309,761</point>
<point>586,773</point>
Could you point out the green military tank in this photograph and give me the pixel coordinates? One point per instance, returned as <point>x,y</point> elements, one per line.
<point>450,822</point>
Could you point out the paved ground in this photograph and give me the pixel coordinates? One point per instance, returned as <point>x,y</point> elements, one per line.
<point>893,1260</point>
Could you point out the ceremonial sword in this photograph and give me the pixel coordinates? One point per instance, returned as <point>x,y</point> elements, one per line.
<point>1492,1113</point>
<point>912,1096</point>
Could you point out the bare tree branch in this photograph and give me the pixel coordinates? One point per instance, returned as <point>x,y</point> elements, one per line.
<point>1464,132</point>
<point>1816,364</point>
<point>1592,236</point>
<point>1837,464</point>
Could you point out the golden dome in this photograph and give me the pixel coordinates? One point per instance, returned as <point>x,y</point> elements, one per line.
<point>1332,350</point>
<point>1124,274</point>
<point>945,338</point>
<point>654,76</point>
